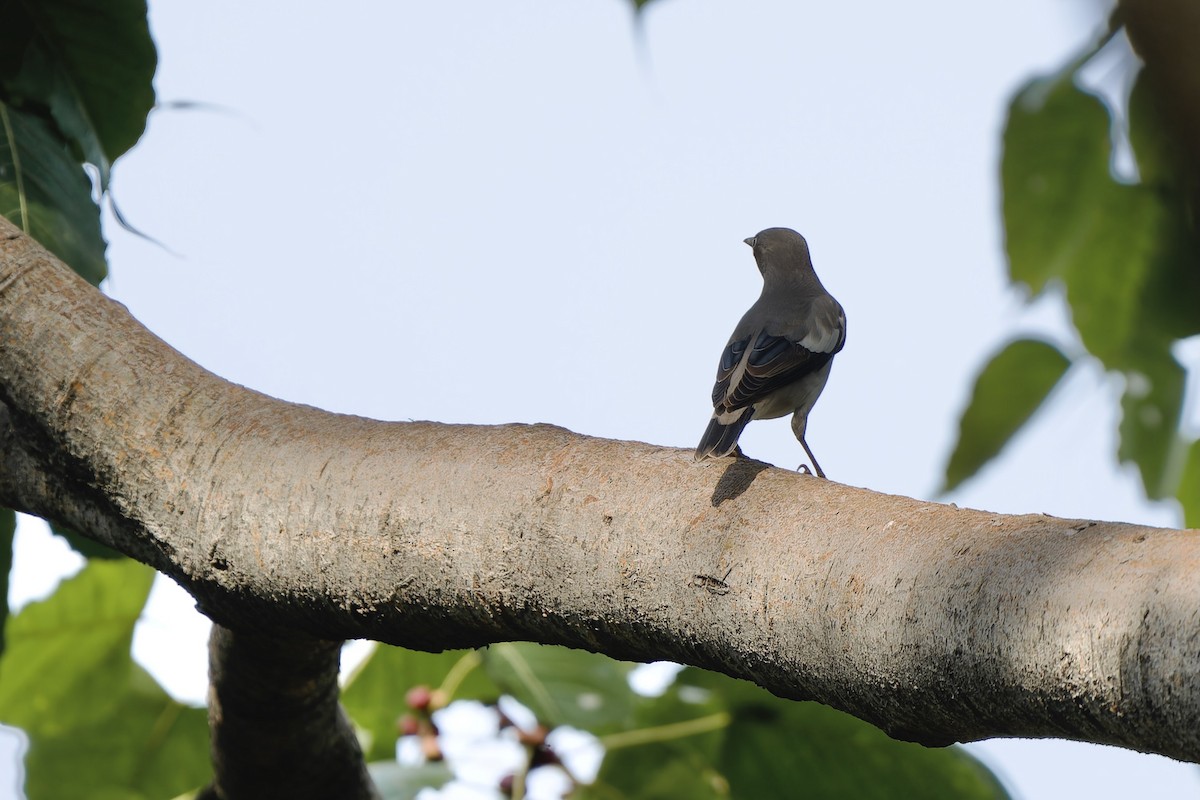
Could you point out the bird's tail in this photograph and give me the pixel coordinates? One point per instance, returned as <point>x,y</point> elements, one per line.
<point>721,435</point>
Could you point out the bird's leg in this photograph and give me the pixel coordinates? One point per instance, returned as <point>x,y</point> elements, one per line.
<point>812,458</point>
<point>799,424</point>
<point>804,470</point>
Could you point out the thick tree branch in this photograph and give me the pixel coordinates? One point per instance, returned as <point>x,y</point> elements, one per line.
<point>935,623</point>
<point>277,728</point>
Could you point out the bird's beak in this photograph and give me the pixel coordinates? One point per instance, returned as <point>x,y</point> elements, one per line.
<point>750,241</point>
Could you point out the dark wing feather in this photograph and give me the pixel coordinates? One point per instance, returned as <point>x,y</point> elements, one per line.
<point>772,363</point>
<point>720,438</point>
<point>729,361</point>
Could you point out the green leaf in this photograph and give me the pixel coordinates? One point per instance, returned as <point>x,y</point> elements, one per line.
<point>88,548</point>
<point>562,686</point>
<point>738,740</point>
<point>8,530</point>
<point>1160,160</point>
<point>1152,404</point>
<point>1054,174</point>
<point>669,750</point>
<point>98,724</point>
<point>45,192</point>
<point>403,782</point>
<point>90,63</point>
<point>833,755</point>
<point>1125,253</point>
<point>374,694</point>
<point>1106,284</point>
<point>1167,305</point>
<point>1189,487</point>
<point>1007,392</point>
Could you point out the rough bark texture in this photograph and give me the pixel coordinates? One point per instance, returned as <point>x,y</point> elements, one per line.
<point>277,728</point>
<point>936,623</point>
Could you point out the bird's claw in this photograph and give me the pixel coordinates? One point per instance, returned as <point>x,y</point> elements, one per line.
<point>804,470</point>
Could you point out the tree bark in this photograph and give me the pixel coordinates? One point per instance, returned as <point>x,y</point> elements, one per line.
<point>935,623</point>
<point>277,728</point>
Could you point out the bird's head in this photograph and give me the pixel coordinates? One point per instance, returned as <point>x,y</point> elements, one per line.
<point>779,249</point>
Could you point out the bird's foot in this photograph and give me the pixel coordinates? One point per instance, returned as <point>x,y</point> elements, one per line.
<point>804,470</point>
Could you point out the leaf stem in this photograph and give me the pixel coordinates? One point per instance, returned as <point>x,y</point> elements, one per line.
<point>16,160</point>
<point>661,733</point>
<point>459,672</point>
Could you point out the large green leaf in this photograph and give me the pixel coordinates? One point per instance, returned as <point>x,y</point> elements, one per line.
<point>99,726</point>
<point>374,695</point>
<point>8,529</point>
<point>1007,393</point>
<point>1189,488</point>
<point>1067,217</point>
<point>1054,176</point>
<point>773,743</point>
<point>89,62</point>
<point>45,192</point>
<point>1169,310</point>
<point>737,740</point>
<point>563,686</point>
<point>1106,284</point>
<point>1151,407</point>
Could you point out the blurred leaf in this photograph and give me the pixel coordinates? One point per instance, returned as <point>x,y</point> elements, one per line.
<point>86,547</point>
<point>1189,488</point>
<point>374,694</point>
<point>1106,283</point>
<point>563,686</point>
<point>1066,217</point>
<point>8,529</point>
<point>1168,307</point>
<point>1157,153</point>
<point>834,755</point>
<point>669,750</point>
<point>402,782</point>
<point>774,743</point>
<point>45,192</point>
<point>90,63</point>
<point>1007,393</point>
<point>1127,254</point>
<point>1151,406</point>
<point>98,724</point>
<point>1054,176</point>
<point>765,746</point>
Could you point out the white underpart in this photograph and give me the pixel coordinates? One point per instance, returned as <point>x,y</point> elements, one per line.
<point>795,397</point>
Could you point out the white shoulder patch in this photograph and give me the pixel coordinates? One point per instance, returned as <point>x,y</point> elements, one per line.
<point>821,339</point>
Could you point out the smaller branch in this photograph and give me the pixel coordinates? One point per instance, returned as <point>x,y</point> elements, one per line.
<point>277,728</point>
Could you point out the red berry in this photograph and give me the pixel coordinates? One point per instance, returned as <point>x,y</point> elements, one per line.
<point>418,698</point>
<point>533,738</point>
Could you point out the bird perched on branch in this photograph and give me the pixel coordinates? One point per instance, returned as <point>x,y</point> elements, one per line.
<point>778,358</point>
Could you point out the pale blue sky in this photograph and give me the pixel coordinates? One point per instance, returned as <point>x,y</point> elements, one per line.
<point>399,207</point>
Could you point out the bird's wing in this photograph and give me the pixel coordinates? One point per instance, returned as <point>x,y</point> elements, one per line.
<point>754,366</point>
